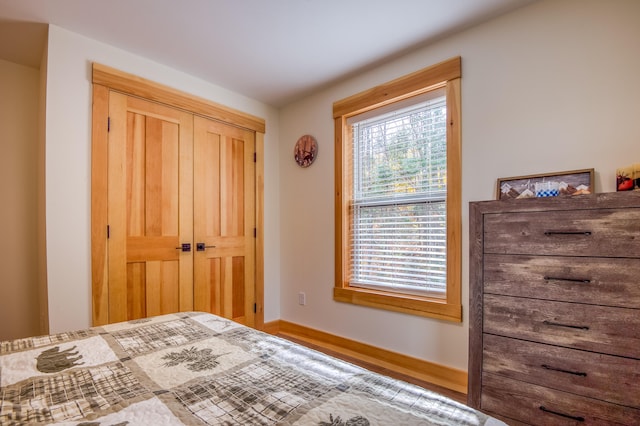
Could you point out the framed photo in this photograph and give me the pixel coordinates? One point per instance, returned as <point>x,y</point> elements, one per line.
<point>574,182</point>
<point>628,178</point>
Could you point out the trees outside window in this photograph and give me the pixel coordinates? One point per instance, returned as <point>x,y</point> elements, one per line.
<point>398,215</point>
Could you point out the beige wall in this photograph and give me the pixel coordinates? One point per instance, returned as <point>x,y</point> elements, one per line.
<point>19,172</point>
<point>550,87</point>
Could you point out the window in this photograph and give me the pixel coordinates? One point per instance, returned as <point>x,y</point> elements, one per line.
<point>398,209</point>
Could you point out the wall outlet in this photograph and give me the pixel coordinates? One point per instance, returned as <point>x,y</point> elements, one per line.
<point>302,298</point>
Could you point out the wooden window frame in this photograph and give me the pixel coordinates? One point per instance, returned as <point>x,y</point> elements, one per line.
<point>447,75</point>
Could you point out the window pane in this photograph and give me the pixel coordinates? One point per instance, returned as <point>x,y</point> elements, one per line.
<point>403,152</point>
<point>401,247</point>
<point>398,232</point>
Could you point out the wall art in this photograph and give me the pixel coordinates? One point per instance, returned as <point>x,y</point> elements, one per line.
<point>305,150</point>
<point>574,182</point>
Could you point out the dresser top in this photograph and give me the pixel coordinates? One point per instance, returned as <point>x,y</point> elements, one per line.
<point>605,200</point>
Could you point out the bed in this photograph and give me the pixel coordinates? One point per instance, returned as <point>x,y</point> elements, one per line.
<point>196,368</point>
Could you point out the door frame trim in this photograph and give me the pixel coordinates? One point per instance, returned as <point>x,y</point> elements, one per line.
<point>137,86</point>
<point>105,79</point>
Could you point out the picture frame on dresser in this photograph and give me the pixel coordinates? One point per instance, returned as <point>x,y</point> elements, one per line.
<point>572,182</point>
<point>554,309</point>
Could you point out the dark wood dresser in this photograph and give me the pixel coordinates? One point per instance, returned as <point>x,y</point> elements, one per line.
<point>554,334</point>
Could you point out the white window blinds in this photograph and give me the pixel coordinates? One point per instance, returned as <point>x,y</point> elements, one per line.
<point>398,217</point>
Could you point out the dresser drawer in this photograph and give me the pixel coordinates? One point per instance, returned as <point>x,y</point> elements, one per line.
<point>540,405</point>
<point>597,232</point>
<point>610,378</point>
<point>615,331</point>
<point>600,281</point>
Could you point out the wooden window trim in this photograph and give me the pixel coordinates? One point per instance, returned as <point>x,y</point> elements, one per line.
<point>446,74</point>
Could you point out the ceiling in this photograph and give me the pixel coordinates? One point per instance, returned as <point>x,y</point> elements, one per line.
<point>274,51</point>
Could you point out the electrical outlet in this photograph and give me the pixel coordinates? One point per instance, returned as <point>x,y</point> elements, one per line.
<point>302,298</point>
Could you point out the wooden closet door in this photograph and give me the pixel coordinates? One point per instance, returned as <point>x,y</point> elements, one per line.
<point>224,220</point>
<point>150,201</point>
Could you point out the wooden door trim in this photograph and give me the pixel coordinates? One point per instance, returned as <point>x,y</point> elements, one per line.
<point>259,223</point>
<point>137,86</point>
<point>99,220</point>
<point>106,79</point>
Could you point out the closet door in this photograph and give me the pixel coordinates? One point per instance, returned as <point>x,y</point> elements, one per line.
<point>150,202</point>
<point>224,220</point>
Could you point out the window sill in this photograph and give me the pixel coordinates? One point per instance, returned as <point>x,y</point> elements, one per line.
<point>409,304</point>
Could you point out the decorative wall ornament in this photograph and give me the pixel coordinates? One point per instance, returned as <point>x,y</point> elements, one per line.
<point>574,182</point>
<point>305,151</point>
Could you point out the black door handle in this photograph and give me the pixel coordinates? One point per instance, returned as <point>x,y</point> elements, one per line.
<point>202,247</point>
<point>184,247</point>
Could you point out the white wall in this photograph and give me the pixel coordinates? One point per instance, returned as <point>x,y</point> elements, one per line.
<point>550,87</point>
<point>19,91</point>
<point>68,174</point>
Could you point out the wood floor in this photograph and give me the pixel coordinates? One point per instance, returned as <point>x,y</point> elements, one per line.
<point>456,396</point>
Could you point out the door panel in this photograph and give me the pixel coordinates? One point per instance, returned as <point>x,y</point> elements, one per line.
<point>224,220</point>
<point>149,209</point>
<point>134,261</point>
<point>163,287</point>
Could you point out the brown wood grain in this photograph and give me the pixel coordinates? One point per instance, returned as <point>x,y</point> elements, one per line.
<point>141,87</point>
<point>224,220</point>
<point>610,378</point>
<point>403,87</point>
<point>523,402</point>
<point>605,329</point>
<point>259,259</point>
<point>476,293</point>
<point>592,280</point>
<point>600,232</point>
<point>99,222</point>
<point>160,193</point>
<point>441,375</point>
<point>445,75</point>
<point>150,208</point>
<point>559,298</point>
<point>136,306</point>
<point>454,192</point>
<point>117,208</point>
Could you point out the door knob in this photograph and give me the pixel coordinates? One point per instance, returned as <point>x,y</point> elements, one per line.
<point>184,247</point>
<point>202,247</point>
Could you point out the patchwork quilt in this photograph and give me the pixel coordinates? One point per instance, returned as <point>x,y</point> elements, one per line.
<point>196,368</point>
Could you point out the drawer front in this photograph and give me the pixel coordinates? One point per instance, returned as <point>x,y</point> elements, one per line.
<point>614,331</point>
<point>610,378</point>
<point>601,281</point>
<point>539,405</point>
<point>600,232</point>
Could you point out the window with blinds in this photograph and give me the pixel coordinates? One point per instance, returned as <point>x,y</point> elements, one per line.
<point>398,230</point>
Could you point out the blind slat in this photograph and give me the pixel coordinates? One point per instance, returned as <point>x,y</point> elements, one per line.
<point>398,229</point>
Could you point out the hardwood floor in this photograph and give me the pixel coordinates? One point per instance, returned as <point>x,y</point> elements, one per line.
<point>456,396</point>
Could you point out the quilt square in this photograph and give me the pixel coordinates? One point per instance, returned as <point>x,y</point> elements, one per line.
<point>171,367</point>
<point>258,394</point>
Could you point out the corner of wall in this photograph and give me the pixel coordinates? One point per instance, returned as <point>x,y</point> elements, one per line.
<point>43,296</point>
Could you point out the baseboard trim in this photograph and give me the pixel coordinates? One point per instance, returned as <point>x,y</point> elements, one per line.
<point>437,374</point>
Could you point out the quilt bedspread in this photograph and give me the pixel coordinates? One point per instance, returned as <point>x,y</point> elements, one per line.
<point>197,368</point>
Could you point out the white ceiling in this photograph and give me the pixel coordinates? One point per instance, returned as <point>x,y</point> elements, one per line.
<point>274,51</point>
